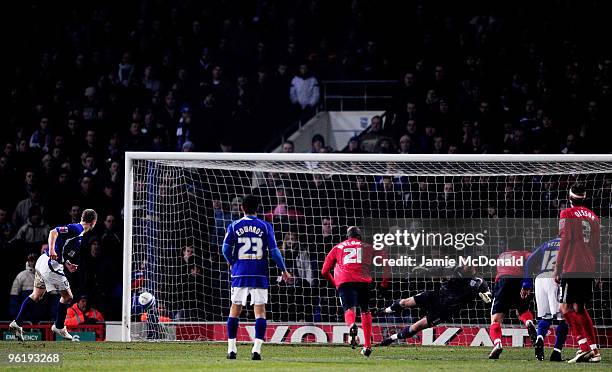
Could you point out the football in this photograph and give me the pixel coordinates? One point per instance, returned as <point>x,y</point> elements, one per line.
<point>146,299</point>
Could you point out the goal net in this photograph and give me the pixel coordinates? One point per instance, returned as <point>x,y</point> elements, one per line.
<point>178,206</point>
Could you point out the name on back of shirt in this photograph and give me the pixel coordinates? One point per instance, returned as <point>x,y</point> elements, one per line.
<point>252,229</point>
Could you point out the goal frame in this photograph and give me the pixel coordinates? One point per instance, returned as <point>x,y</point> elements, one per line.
<point>306,157</point>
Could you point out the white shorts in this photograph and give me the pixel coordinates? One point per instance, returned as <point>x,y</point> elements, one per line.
<point>50,278</point>
<point>547,298</point>
<point>259,296</point>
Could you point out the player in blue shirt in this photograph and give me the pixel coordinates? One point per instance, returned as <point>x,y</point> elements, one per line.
<point>64,245</point>
<point>246,246</point>
<point>542,263</point>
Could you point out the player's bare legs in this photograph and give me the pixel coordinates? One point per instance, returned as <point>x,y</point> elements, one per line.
<point>232,330</point>
<point>28,302</point>
<point>260,330</point>
<point>495,333</point>
<point>62,308</point>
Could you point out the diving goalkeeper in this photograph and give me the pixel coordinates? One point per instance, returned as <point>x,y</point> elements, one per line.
<point>459,287</point>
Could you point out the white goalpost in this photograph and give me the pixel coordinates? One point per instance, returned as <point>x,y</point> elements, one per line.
<point>177,206</point>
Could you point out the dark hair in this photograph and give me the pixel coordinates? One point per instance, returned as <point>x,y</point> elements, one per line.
<point>580,190</point>
<point>353,232</point>
<point>318,137</point>
<point>89,216</point>
<point>250,203</point>
<point>289,142</point>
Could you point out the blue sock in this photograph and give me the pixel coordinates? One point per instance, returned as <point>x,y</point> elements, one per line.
<point>61,314</point>
<point>260,328</point>
<point>543,326</point>
<point>232,327</point>
<point>561,332</point>
<point>24,310</point>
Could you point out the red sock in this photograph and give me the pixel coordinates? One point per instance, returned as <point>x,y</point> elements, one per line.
<point>366,324</point>
<point>588,328</point>
<point>524,317</point>
<point>575,323</point>
<point>495,332</point>
<point>349,317</point>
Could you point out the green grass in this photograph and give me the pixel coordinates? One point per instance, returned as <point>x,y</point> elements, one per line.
<point>88,356</point>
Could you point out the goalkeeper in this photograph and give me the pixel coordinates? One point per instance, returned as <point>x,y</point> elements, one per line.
<point>459,287</point>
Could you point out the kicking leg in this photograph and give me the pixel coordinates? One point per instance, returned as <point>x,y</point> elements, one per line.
<point>64,303</point>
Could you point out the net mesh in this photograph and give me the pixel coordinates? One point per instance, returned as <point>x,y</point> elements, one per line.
<point>181,208</point>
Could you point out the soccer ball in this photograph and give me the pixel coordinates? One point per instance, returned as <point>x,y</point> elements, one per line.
<point>146,299</point>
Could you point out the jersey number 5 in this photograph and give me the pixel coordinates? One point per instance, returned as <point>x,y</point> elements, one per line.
<point>351,255</point>
<point>251,248</point>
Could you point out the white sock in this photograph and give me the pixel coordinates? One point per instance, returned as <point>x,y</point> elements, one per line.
<point>231,345</point>
<point>593,346</point>
<point>497,341</point>
<point>394,336</point>
<point>257,346</point>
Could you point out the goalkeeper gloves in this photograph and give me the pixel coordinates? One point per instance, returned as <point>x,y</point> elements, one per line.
<point>486,297</point>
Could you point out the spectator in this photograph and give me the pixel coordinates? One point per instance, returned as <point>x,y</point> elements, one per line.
<point>372,138</point>
<point>304,92</point>
<point>35,231</point>
<point>95,275</point>
<point>405,145</point>
<point>41,138</point>
<point>353,146</point>
<point>81,313</point>
<point>149,81</point>
<point>318,142</point>
<point>23,284</point>
<point>183,129</point>
<point>126,69</point>
<point>222,218</point>
<point>111,239</point>
<point>226,145</point>
<point>288,147</point>
<point>21,213</point>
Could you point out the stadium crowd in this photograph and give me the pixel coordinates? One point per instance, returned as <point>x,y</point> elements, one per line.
<point>90,82</point>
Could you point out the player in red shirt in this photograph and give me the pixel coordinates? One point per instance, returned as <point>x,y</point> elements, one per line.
<point>351,261</point>
<point>579,229</point>
<point>507,295</point>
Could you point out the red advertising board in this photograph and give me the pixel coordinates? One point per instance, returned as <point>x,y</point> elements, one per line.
<point>336,333</point>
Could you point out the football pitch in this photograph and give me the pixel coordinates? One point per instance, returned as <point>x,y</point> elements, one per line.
<point>159,356</point>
